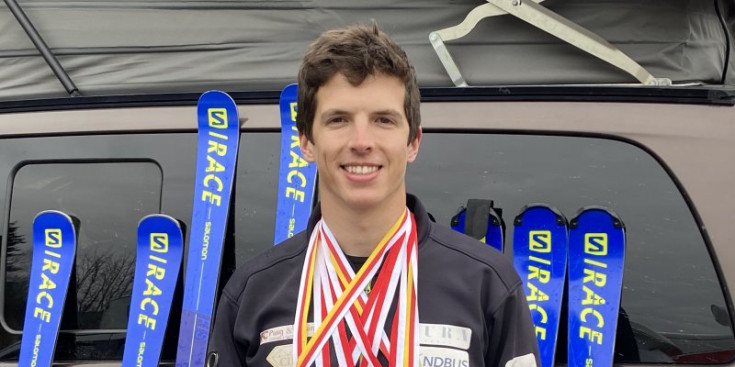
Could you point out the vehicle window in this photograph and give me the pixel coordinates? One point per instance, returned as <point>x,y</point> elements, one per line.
<point>256,194</point>
<point>107,199</point>
<point>676,310</point>
<point>110,198</point>
<point>109,183</point>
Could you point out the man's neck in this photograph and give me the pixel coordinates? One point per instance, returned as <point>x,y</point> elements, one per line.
<point>359,231</point>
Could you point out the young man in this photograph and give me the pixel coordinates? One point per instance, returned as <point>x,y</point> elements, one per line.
<point>372,281</point>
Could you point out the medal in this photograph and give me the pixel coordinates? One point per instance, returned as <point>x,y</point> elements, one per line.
<point>341,305</point>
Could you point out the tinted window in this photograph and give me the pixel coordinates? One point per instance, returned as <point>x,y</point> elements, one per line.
<point>108,199</point>
<point>671,293</point>
<point>256,194</point>
<point>109,183</point>
<point>676,311</point>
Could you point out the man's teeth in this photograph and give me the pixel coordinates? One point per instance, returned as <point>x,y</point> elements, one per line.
<point>361,170</point>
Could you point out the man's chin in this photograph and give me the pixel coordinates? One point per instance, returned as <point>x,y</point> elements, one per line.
<point>369,200</point>
<point>363,203</point>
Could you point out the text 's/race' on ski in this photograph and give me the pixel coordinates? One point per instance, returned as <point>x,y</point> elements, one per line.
<point>157,264</point>
<point>596,265</point>
<point>216,160</point>
<point>296,176</point>
<point>540,258</point>
<point>54,248</point>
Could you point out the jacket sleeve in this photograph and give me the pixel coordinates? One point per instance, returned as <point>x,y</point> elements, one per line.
<point>512,333</point>
<point>224,348</point>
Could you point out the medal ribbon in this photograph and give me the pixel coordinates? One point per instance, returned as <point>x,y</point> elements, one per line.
<point>341,303</point>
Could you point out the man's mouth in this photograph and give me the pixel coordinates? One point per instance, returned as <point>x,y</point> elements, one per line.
<point>361,170</point>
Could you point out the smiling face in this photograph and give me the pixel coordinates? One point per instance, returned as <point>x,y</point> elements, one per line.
<point>360,143</point>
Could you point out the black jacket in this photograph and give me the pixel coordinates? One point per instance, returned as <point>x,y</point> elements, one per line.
<point>472,306</point>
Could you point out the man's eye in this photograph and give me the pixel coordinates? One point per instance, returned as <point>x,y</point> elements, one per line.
<point>384,120</point>
<point>336,120</point>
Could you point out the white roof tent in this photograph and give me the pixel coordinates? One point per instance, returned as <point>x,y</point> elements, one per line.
<point>105,47</point>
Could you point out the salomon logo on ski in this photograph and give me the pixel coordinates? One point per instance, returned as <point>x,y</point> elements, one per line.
<point>158,259</point>
<point>596,263</point>
<point>296,176</point>
<point>540,257</point>
<point>218,136</point>
<point>54,247</point>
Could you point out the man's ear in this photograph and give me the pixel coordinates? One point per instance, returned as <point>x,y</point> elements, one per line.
<point>413,147</point>
<point>306,147</point>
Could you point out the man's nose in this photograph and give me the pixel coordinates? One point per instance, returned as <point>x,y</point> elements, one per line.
<point>362,139</point>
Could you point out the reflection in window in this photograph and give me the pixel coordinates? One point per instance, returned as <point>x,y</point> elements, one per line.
<point>673,305</point>
<point>108,199</point>
<point>673,308</point>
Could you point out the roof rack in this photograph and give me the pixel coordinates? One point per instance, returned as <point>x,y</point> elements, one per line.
<point>45,51</point>
<point>544,19</point>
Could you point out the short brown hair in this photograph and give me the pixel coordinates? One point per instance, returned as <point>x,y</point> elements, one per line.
<point>357,52</point>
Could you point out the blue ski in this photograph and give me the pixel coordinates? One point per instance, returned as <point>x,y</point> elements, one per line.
<point>296,177</point>
<point>540,256</point>
<point>219,133</point>
<point>596,263</point>
<point>54,247</point>
<point>158,259</point>
<point>485,224</point>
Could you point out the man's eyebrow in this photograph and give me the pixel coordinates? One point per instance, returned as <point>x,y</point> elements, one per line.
<point>334,111</point>
<point>341,112</point>
<point>388,112</point>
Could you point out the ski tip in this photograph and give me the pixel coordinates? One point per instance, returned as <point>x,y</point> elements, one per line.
<point>59,215</point>
<point>45,213</point>
<point>214,95</point>
<point>290,87</point>
<point>616,221</point>
<point>215,92</point>
<point>289,95</point>
<point>157,216</point>
<point>217,109</point>
<point>560,218</point>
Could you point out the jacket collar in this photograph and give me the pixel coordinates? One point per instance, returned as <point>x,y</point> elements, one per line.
<point>423,223</point>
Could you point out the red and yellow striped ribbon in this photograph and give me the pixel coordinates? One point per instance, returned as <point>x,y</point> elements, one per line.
<point>364,316</point>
